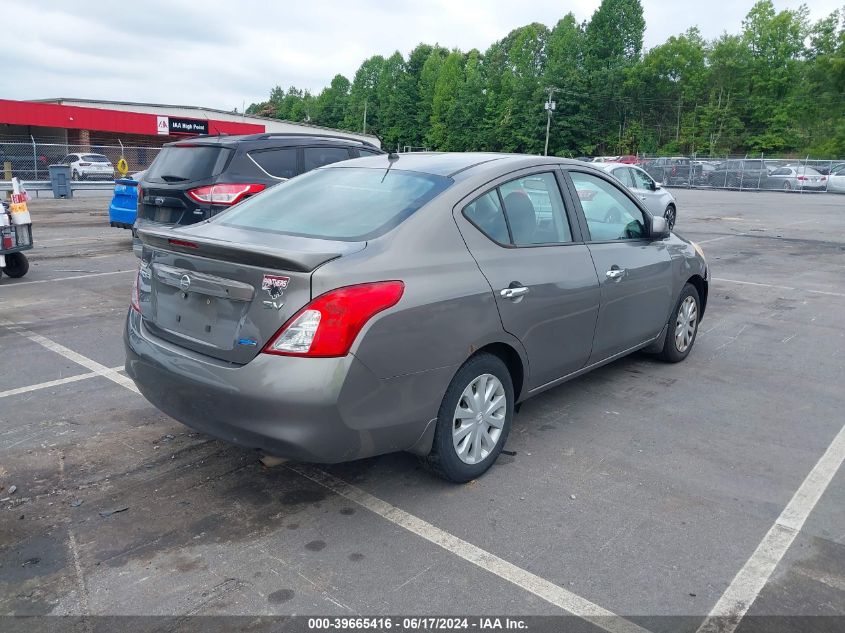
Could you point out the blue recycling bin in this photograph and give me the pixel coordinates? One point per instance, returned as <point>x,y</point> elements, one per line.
<point>124,204</point>
<point>60,181</point>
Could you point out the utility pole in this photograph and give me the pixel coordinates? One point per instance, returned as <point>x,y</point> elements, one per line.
<point>550,106</point>
<point>365,117</point>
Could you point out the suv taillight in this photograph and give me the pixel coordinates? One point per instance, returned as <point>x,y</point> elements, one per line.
<point>225,193</point>
<point>135,300</point>
<point>328,325</point>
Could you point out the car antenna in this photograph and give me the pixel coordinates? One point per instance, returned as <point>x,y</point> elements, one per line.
<point>392,157</point>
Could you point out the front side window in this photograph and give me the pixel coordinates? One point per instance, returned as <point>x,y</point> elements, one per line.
<point>351,204</point>
<point>642,180</point>
<point>624,176</point>
<point>314,157</point>
<point>610,214</point>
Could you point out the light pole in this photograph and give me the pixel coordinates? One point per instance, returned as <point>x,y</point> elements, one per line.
<point>550,106</point>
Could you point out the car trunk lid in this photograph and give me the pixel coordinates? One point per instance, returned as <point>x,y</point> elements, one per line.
<point>223,291</point>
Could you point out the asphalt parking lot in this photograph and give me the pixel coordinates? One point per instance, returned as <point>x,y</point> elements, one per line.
<point>641,489</point>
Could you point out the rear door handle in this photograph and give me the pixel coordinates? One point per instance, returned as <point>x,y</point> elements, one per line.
<point>615,274</point>
<point>514,294</point>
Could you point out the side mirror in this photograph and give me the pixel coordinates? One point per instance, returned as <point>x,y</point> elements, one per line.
<point>656,185</point>
<point>659,228</point>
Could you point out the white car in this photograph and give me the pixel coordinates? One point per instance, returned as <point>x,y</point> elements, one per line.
<point>836,179</point>
<point>89,167</point>
<point>656,199</point>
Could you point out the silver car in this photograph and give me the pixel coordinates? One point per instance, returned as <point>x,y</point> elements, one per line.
<point>405,303</point>
<point>656,199</point>
<point>796,178</point>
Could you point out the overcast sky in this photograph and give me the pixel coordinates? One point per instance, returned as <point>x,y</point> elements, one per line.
<point>221,54</point>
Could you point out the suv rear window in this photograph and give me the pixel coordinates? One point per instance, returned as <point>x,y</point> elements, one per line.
<point>351,204</point>
<point>314,157</point>
<point>279,163</point>
<point>95,158</point>
<point>187,163</point>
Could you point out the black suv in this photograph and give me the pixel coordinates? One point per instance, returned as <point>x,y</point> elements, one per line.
<point>192,180</point>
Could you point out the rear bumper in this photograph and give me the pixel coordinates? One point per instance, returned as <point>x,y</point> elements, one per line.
<point>311,409</point>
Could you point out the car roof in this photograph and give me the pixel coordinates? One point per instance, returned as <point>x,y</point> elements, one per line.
<point>451,164</point>
<point>611,166</point>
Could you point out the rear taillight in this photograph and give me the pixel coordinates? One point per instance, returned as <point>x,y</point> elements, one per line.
<point>225,193</point>
<point>802,178</point>
<point>823,178</point>
<point>328,325</point>
<point>135,301</point>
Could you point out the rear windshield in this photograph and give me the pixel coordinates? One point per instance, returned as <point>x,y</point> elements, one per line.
<point>187,163</point>
<point>95,158</point>
<point>351,204</point>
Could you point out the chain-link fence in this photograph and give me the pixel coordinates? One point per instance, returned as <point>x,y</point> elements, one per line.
<point>745,172</point>
<point>31,161</point>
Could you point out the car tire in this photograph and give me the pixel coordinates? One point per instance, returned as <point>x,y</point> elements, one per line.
<point>686,315</point>
<point>459,453</point>
<point>787,186</point>
<point>671,215</point>
<point>16,265</point>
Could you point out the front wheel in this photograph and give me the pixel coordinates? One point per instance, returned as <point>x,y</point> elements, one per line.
<point>670,215</point>
<point>16,265</point>
<point>474,419</point>
<point>682,327</point>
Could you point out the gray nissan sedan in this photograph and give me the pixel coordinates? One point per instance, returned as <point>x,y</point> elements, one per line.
<point>405,303</point>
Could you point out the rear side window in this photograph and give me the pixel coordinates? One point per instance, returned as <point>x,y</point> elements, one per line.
<point>314,157</point>
<point>279,163</point>
<point>351,204</point>
<point>367,152</point>
<point>533,212</point>
<point>487,215</point>
<point>187,163</point>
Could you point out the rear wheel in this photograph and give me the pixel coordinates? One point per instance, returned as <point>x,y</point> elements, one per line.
<point>74,175</point>
<point>16,265</point>
<point>670,215</point>
<point>787,186</point>
<point>682,327</point>
<point>474,419</point>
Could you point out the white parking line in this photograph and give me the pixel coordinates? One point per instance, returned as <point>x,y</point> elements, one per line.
<point>51,383</point>
<point>779,287</point>
<point>750,580</point>
<point>79,359</point>
<point>46,281</point>
<point>532,583</point>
